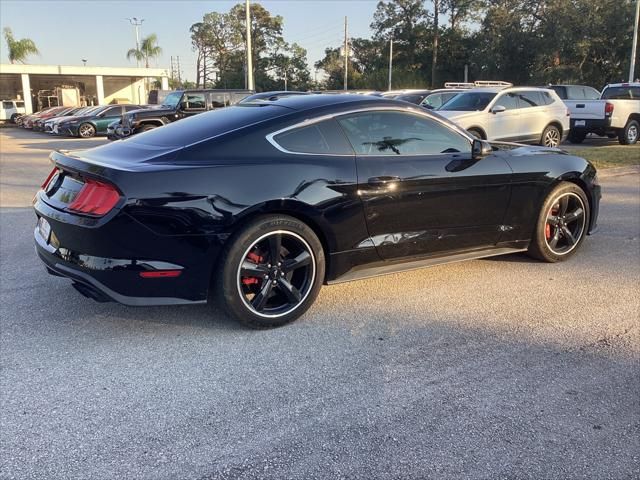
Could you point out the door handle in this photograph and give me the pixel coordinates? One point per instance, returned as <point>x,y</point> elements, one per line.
<point>383,181</point>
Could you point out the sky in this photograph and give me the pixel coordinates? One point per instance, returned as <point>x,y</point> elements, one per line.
<point>66,32</point>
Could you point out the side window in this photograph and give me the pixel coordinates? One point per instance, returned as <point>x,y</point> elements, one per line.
<point>399,133</point>
<point>113,112</point>
<point>320,138</point>
<point>193,101</point>
<point>530,99</point>
<point>591,93</point>
<point>547,99</point>
<point>129,108</point>
<point>508,101</point>
<point>218,100</point>
<point>7,105</point>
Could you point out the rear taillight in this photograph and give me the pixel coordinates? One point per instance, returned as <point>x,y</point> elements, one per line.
<point>49,177</point>
<point>608,109</point>
<point>95,198</point>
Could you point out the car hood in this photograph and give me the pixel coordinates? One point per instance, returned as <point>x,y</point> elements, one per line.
<point>152,112</point>
<point>519,150</point>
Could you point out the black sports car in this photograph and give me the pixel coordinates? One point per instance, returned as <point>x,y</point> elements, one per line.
<point>259,204</point>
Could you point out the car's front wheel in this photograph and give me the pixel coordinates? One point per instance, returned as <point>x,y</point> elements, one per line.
<point>86,130</point>
<point>562,224</point>
<point>270,272</point>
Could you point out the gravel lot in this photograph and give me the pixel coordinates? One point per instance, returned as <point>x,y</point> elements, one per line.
<point>501,368</point>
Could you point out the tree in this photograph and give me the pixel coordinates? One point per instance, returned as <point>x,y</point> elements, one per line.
<point>19,50</point>
<point>148,49</point>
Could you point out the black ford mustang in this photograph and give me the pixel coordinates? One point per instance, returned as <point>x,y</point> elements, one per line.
<point>259,204</point>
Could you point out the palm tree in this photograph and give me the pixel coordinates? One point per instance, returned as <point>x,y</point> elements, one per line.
<point>148,49</point>
<point>19,50</point>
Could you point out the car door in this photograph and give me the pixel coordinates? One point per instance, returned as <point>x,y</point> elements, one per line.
<point>534,114</point>
<point>504,125</point>
<point>192,103</point>
<point>103,120</point>
<point>421,191</point>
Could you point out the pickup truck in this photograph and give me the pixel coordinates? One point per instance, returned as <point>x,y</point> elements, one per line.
<point>615,114</point>
<point>177,105</point>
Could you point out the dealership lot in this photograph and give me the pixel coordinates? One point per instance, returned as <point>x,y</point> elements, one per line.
<point>498,368</point>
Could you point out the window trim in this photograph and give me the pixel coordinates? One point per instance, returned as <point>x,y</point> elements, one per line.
<point>410,110</point>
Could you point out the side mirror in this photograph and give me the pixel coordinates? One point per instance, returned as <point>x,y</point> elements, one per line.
<point>498,109</point>
<point>480,149</point>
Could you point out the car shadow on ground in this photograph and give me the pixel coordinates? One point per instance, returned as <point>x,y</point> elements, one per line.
<point>47,142</point>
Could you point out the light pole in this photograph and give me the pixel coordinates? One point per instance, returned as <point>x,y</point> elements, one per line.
<point>136,24</point>
<point>250,84</point>
<point>390,61</point>
<point>84,62</point>
<point>634,46</point>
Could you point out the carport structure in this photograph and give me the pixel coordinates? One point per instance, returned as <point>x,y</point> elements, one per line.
<point>106,84</point>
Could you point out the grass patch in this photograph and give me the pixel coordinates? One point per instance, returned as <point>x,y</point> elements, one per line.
<point>610,155</point>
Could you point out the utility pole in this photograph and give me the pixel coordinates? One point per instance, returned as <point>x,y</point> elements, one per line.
<point>634,47</point>
<point>250,84</point>
<point>178,68</point>
<point>346,55</point>
<point>136,24</point>
<point>390,60</point>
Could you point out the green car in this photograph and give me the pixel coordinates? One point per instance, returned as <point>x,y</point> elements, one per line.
<point>94,123</point>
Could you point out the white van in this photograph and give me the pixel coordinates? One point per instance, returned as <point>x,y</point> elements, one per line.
<point>10,110</point>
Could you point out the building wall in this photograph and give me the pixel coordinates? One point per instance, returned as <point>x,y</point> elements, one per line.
<point>124,88</point>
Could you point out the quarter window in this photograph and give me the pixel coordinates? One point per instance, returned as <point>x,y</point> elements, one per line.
<point>398,133</point>
<point>322,138</point>
<point>530,99</point>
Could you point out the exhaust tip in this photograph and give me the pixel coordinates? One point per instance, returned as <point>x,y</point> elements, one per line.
<point>91,292</point>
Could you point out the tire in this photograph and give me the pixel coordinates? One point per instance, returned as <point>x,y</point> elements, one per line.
<point>257,291</point>
<point>86,130</point>
<point>629,134</point>
<point>551,137</point>
<point>476,133</point>
<point>146,128</point>
<point>14,117</point>
<point>577,137</point>
<point>562,224</point>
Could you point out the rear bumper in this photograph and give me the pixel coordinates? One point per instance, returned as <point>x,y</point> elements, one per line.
<point>593,125</point>
<point>106,259</point>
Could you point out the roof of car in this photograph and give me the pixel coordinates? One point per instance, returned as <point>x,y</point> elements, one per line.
<point>625,84</point>
<point>308,102</point>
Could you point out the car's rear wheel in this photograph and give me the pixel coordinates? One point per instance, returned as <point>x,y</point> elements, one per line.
<point>271,271</point>
<point>146,128</point>
<point>86,130</point>
<point>562,224</point>
<point>629,134</point>
<point>551,136</point>
<point>577,137</point>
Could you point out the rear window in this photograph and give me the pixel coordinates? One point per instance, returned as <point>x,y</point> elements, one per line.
<point>621,93</point>
<point>210,124</point>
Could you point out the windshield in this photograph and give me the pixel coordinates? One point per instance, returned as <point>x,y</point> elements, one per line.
<point>621,93</point>
<point>469,102</point>
<point>172,99</point>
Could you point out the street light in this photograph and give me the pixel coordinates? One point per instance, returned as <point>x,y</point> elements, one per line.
<point>136,24</point>
<point>84,62</point>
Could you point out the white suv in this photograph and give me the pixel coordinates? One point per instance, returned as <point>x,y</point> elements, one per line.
<point>515,114</point>
<point>11,109</point>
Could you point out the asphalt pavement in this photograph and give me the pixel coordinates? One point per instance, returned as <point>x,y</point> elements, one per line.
<point>502,368</point>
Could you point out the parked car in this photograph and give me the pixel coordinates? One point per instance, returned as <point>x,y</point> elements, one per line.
<point>574,92</point>
<point>94,122</point>
<point>38,124</point>
<point>29,120</point>
<point>259,204</point>
<point>177,105</point>
<point>439,97</point>
<point>10,110</point>
<point>518,114</point>
<point>615,114</point>
<point>49,125</point>
<point>413,96</point>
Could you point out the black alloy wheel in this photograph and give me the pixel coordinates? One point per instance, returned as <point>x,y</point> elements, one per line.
<point>562,224</point>
<point>270,272</point>
<point>276,273</point>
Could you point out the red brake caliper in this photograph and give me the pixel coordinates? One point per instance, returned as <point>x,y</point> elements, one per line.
<point>255,258</point>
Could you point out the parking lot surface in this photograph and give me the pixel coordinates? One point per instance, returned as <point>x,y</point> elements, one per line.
<point>497,368</point>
